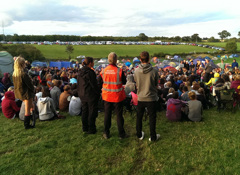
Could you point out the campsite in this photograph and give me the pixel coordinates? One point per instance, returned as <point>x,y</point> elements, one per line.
<point>60,147</point>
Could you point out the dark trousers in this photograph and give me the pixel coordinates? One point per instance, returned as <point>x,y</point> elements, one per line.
<point>108,107</point>
<point>206,77</point>
<point>89,115</point>
<point>151,107</point>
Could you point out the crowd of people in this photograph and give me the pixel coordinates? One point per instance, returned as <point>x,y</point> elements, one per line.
<point>45,92</point>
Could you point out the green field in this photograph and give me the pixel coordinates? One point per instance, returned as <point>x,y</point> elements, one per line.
<point>101,51</point>
<point>60,147</point>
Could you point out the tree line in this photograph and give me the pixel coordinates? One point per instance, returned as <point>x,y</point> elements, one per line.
<point>141,37</point>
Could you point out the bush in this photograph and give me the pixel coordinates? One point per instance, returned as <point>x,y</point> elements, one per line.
<point>28,52</point>
<point>231,46</point>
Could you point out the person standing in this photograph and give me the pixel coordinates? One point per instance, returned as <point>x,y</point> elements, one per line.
<point>24,89</point>
<point>234,64</point>
<point>89,94</point>
<point>208,70</point>
<point>113,95</point>
<point>146,79</point>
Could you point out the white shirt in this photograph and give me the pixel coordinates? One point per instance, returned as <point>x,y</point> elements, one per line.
<point>75,106</point>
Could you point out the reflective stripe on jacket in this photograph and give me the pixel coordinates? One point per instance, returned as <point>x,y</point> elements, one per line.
<point>112,89</point>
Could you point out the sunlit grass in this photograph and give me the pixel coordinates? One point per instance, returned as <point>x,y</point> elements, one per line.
<point>60,147</point>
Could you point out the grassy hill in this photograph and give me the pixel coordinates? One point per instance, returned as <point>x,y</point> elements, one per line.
<point>60,147</point>
<point>101,51</point>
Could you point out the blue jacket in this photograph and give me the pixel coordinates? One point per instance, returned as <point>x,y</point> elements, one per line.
<point>234,64</point>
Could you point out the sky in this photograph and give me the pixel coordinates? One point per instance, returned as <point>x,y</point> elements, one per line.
<point>120,17</point>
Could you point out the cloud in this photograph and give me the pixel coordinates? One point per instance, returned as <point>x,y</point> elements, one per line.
<point>120,18</point>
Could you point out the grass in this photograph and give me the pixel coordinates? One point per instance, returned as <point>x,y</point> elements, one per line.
<point>101,51</point>
<point>60,147</point>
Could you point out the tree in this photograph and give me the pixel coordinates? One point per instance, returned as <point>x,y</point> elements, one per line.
<point>143,37</point>
<point>212,39</point>
<point>196,38</point>
<point>224,34</point>
<point>186,38</point>
<point>69,50</point>
<point>239,33</point>
<point>231,46</point>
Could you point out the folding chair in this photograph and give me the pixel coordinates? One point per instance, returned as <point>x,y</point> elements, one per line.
<point>134,103</point>
<point>225,99</point>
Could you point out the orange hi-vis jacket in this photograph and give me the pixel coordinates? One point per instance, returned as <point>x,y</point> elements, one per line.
<point>112,89</point>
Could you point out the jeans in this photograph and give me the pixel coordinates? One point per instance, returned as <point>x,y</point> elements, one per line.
<point>151,107</point>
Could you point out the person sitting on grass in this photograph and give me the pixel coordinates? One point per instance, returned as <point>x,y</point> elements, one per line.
<point>56,92</point>
<point>9,106</point>
<point>175,108</point>
<point>65,98</point>
<point>45,106</point>
<point>170,94</point>
<point>75,104</point>
<point>194,109</point>
<point>202,98</point>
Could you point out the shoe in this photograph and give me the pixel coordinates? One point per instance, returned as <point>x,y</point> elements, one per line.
<point>92,132</point>
<point>106,136</point>
<point>123,137</point>
<point>141,138</point>
<point>157,138</point>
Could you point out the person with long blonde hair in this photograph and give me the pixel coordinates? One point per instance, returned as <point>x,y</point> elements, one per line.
<point>23,89</point>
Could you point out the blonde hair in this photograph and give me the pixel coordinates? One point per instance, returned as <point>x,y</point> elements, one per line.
<point>112,58</point>
<point>11,88</point>
<point>63,74</point>
<point>171,90</point>
<point>48,76</point>
<point>192,95</point>
<point>19,66</point>
<point>237,77</point>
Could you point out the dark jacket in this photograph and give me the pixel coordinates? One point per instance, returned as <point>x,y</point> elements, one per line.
<point>87,87</point>
<point>23,87</point>
<point>208,68</point>
<point>6,80</point>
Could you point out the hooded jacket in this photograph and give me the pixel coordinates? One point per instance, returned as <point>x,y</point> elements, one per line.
<point>87,87</point>
<point>130,85</point>
<point>9,106</point>
<point>174,109</point>
<point>6,80</point>
<point>46,108</point>
<point>146,79</point>
<point>236,85</point>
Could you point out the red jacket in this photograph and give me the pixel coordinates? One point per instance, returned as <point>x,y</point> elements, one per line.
<point>9,106</point>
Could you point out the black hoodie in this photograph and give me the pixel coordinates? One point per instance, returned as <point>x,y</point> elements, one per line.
<point>87,85</point>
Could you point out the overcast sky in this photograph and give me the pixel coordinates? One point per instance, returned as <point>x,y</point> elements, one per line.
<point>120,17</point>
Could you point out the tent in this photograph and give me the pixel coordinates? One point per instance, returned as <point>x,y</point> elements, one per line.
<point>39,64</point>
<point>177,58</point>
<point>136,61</point>
<point>171,69</point>
<point>215,58</point>
<point>101,66</point>
<point>60,64</point>
<point>55,64</point>
<point>172,64</point>
<point>128,63</point>
<point>197,59</point>
<point>6,62</point>
<point>103,60</point>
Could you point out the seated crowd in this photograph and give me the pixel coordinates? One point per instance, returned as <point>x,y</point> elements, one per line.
<point>183,94</point>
